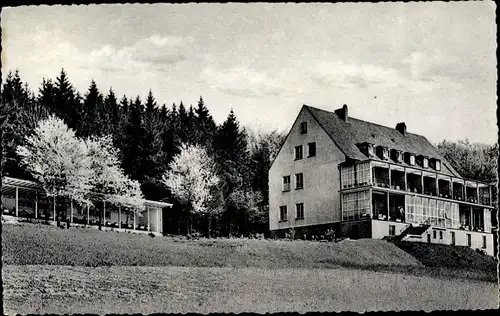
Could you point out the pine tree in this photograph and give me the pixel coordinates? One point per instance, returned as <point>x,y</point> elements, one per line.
<point>16,100</point>
<point>112,111</point>
<point>150,103</point>
<point>67,106</point>
<point>205,126</point>
<point>93,106</point>
<point>132,146</point>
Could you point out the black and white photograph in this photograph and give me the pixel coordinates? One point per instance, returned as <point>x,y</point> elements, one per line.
<point>249,157</point>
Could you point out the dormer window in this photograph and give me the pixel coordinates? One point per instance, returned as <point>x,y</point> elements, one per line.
<point>409,158</point>
<point>303,128</point>
<point>438,165</point>
<point>370,150</point>
<point>435,164</point>
<point>425,162</point>
<point>383,152</point>
<point>367,149</point>
<point>397,155</point>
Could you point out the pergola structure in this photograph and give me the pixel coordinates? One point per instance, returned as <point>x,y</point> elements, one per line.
<point>23,198</point>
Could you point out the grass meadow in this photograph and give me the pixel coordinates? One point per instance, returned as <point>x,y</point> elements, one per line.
<point>51,270</point>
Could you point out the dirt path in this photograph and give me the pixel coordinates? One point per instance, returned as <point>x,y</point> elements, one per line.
<point>64,289</point>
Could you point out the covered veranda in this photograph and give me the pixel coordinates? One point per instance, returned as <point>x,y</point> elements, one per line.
<point>27,200</point>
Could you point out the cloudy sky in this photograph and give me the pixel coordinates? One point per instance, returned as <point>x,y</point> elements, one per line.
<point>430,64</point>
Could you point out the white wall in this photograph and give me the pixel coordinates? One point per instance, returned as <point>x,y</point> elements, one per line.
<point>321,177</point>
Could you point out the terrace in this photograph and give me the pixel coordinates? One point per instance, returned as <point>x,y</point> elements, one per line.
<point>27,200</point>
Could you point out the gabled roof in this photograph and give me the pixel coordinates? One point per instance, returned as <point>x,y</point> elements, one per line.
<point>347,135</point>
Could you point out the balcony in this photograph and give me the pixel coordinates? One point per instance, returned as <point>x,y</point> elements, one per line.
<point>399,178</point>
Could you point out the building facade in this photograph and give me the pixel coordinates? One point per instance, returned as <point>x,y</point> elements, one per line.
<point>26,200</point>
<point>365,180</point>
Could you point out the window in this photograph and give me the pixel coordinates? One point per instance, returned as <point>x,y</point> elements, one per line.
<point>370,150</point>
<point>385,153</point>
<point>283,215</point>
<point>300,210</point>
<point>434,234</point>
<point>286,183</point>
<point>453,238</point>
<point>412,160</point>
<point>299,181</point>
<point>303,128</point>
<point>484,242</point>
<point>298,152</point>
<point>356,205</point>
<point>469,241</point>
<point>425,162</point>
<point>438,165</point>
<point>312,149</point>
<point>440,234</point>
<point>392,230</point>
<point>363,174</point>
<point>348,175</point>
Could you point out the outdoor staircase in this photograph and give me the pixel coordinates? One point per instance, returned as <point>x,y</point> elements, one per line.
<point>415,231</point>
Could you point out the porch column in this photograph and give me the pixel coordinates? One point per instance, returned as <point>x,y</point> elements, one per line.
<point>158,220</point>
<point>17,201</point>
<point>406,181</point>
<point>451,188</point>
<point>149,228</point>
<point>437,185</point>
<point>104,213</point>
<point>490,198</point>
<point>71,213</point>
<point>422,182</point>
<point>388,206</point>
<point>390,176</point>
<point>464,192</point>
<point>88,214</point>
<point>477,191</point>
<point>36,204</point>
<point>135,227</point>
<point>471,219</point>
<point>55,207</point>
<point>119,216</point>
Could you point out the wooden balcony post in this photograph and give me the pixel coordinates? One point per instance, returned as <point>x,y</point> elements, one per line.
<point>135,227</point>
<point>388,206</point>
<point>451,189</point>
<point>119,216</point>
<point>88,214</point>
<point>17,202</point>
<point>406,181</point>
<point>422,182</point>
<point>471,219</point>
<point>390,176</point>
<point>149,228</point>
<point>158,210</point>
<point>104,213</point>
<point>437,185</point>
<point>36,204</point>
<point>477,192</point>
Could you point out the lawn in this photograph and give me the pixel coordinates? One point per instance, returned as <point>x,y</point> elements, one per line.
<point>147,290</point>
<point>50,270</point>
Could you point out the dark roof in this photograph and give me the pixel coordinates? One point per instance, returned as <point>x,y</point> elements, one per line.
<point>347,135</point>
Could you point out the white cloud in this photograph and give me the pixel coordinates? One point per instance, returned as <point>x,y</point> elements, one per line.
<point>242,81</point>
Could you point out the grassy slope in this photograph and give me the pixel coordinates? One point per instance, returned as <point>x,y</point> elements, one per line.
<point>46,271</point>
<point>28,244</point>
<point>40,245</point>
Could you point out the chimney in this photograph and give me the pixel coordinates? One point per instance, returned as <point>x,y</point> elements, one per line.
<point>401,127</point>
<point>342,113</point>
